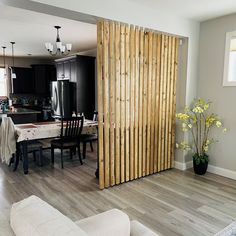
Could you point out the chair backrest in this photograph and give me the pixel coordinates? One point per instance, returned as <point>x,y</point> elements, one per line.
<point>95,116</point>
<point>71,127</point>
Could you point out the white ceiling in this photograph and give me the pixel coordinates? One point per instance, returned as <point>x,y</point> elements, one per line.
<point>30,30</point>
<point>199,10</point>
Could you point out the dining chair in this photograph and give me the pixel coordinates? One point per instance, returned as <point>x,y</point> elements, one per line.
<point>34,147</point>
<point>71,129</point>
<point>89,138</point>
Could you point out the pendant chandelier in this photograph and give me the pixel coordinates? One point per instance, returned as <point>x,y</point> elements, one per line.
<point>4,59</point>
<point>60,49</point>
<point>13,74</point>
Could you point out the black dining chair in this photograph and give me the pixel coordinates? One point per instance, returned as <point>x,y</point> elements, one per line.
<point>71,129</point>
<point>89,138</point>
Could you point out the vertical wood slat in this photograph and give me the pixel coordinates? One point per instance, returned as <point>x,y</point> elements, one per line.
<point>141,65</point>
<point>157,106</point>
<point>168,78</point>
<point>153,87</point>
<point>160,111</point>
<point>106,104</point>
<point>127,103</point>
<point>112,101</point>
<point>149,102</point>
<point>145,81</point>
<point>136,122</point>
<point>137,73</point>
<point>122,88</point>
<point>132,98</point>
<point>118,98</point>
<point>163,125</point>
<point>100,102</point>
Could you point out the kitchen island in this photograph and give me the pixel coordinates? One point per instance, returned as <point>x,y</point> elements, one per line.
<point>21,115</point>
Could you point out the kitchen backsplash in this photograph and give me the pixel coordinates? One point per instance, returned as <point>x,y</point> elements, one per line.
<point>27,99</point>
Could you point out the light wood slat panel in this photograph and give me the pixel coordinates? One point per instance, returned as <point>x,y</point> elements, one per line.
<point>100,102</point>
<point>168,78</point>
<point>141,70</point>
<point>149,102</point>
<point>118,98</point>
<point>137,98</point>
<point>112,100</point>
<point>153,99</point>
<point>106,103</point>
<point>122,88</point>
<point>172,74</point>
<point>132,98</point>
<point>157,106</point>
<point>136,122</point>
<point>127,102</point>
<point>145,87</point>
<point>174,100</point>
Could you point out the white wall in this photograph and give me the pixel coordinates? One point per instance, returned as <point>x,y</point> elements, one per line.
<point>181,94</point>
<point>131,12</point>
<point>211,65</point>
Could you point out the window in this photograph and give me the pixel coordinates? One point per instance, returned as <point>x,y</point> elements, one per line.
<point>3,83</point>
<point>230,60</point>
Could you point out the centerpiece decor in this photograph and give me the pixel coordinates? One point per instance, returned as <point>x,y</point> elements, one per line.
<point>197,120</point>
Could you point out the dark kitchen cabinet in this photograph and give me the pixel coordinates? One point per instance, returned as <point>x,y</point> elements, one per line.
<point>81,70</point>
<point>34,80</point>
<point>85,75</point>
<point>24,82</point>
<point>67,69</point>
<point>60,70</point>
<point>43,75</point>
<point>73,70</point>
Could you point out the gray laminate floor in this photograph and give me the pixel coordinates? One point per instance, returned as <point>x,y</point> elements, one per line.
<point>171,203</point>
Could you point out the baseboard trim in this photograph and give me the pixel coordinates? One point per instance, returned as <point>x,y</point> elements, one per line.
<point>183,166</point>
<point>212,169</point>
<point>221,171</point>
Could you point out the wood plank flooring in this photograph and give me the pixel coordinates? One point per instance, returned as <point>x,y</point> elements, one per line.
<point>171,203</point>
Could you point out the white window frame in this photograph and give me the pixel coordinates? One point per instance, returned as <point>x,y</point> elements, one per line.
<point>229,36</point>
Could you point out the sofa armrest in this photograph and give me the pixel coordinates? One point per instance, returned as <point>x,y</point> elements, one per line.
<point>138,229</point>
<point>110,223</point>
<point>32,216</point>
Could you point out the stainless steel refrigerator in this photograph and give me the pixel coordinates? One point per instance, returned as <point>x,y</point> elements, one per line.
<point>63,98</point>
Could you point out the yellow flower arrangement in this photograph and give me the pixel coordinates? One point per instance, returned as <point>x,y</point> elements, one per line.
<point>198,121</point>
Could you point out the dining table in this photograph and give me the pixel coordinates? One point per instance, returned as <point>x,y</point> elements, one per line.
<point>42,130</point>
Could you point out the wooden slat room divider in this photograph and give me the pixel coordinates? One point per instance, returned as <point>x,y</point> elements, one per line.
<point>137,71</point>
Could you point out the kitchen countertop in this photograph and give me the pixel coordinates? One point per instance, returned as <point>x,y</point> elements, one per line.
<point>20,111</point>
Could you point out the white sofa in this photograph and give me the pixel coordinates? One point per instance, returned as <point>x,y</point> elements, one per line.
<point>34,217</point>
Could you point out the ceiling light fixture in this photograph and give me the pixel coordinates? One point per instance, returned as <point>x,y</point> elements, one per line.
<point>4,59</point>
<point>13,74</point>
<point>60,48</point>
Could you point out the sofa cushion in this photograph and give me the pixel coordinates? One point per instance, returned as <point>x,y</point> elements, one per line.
<point>138,229</point>
<point>110,223</point>
<point>34,217</point>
